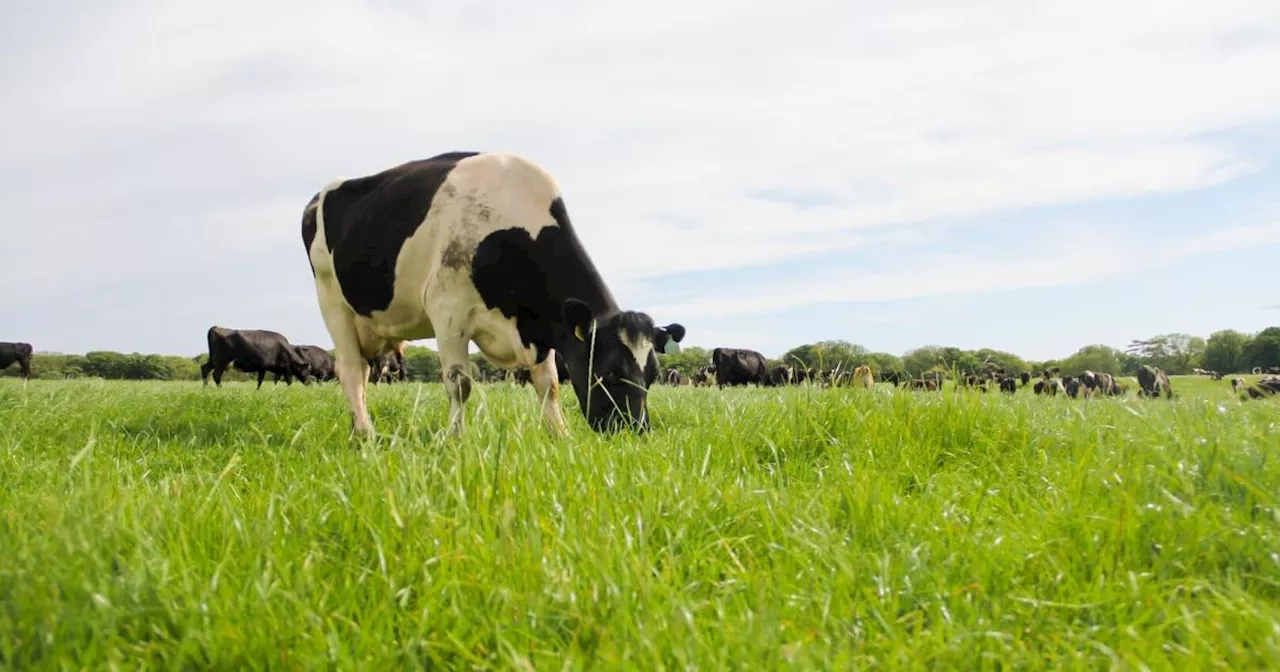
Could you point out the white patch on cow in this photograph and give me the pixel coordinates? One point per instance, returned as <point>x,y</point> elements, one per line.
<point>638,350</point>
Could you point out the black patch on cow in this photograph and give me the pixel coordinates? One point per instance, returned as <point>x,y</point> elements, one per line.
<point>368,219</point>
<point>309,228</point>
<point>528,279</point>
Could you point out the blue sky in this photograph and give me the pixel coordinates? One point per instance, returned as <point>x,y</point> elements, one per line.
<point>1029,178</point>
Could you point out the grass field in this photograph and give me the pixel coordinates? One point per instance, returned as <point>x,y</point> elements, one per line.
<point>163,525</point>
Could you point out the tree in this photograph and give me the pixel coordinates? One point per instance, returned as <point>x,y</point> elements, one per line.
<point>1011,363</point>
<point>1226,351</point>
<point>1100,358</point>
<point>421,363</point>
<point>883,362</point>
<point>1175,353</point>
<point>826,355</point>
<point>1264,349</point>
<point>687,361</point>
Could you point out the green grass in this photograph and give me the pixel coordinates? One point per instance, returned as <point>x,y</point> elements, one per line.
<point>161,525</point>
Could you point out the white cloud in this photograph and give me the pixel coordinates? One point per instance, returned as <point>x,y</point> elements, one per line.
<point>137,132</point>
<point>1076,256</point>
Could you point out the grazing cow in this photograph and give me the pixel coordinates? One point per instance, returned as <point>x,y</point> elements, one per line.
<point>476,247</point>
<point>1009,384</point>
<point>780,375</point>
<point>674,377</point>
<point>1071,386</point>
<point>16,353</point>
<point>1257,370</point>
<point>319,360</point>
<point>737,366</point>
<point>1266,387</point>
<point>389,364</point>
<point>704,376</point>
<point>1025,377</point>
<point>1048,386</point>
<point>862,377</point>
<point>1237,384</point>
<point>1095,382</point>
<point>895,377</point>
<point>252,351</point>
<point>521,377</point>
<point>1152,382</point>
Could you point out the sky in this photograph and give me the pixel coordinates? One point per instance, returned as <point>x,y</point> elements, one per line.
<point>1031,177</point>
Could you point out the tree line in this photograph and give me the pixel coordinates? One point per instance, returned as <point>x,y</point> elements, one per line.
<point>1227,351</point>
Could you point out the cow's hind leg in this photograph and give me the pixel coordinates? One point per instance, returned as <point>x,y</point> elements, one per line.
<point>546,382</point>
<point>455,368</point>
<point>350,364</point>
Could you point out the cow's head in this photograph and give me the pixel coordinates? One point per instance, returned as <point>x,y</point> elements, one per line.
<point>612,361</point>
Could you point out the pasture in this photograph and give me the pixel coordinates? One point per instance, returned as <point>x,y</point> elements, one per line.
<point>164,525</point>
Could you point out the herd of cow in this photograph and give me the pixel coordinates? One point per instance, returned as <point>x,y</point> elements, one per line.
<point>473,247</point>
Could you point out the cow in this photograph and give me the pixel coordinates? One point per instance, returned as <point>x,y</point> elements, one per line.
<point>1009,384</point>
<point>389,364</point>
<point>1097,383</point>
<point>780,375</point>
<point>862,377</point>
<point>1025,377</point>
<point>704,376</point>
<point>1071,386</point>
<point>1267,387</point>
<point>252,351</point>
<point>16,353</point>
<point>1152,382</point>
<point>318,359</point>
<point>737,366</point>
<point>476,247</point>
<point>674,378</point>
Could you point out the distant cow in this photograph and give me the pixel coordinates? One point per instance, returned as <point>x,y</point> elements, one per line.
<point>1095,382</point>
<point>1071,386</point>
<point>780,375</point>
<point>704,376</point>
<point>862,377</point>
<point>318,359</point>
<point>476,247</point>
<point>389,365</point>
<point>16,353</point>
<point>674,377</point>
<point>1025,377</point>
<point>1152,382</point>
<point>737,366</point>
<point>1009,384</point>
<point>252,351</point>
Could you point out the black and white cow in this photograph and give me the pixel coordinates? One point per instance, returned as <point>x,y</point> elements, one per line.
<point>476,247</point>
<point>16,353</point>
<point>252,351</point>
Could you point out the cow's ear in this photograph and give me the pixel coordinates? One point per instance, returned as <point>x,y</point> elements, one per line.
<point>676,330</point>
<point>578,318</point>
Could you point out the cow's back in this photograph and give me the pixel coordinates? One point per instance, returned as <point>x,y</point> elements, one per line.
<point>392,240</point>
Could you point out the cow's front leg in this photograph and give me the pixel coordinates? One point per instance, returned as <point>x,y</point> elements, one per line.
<point>455,368</point>
<point>546,382</point>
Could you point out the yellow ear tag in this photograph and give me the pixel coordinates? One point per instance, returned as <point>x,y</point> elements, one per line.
<point>577,331</point>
